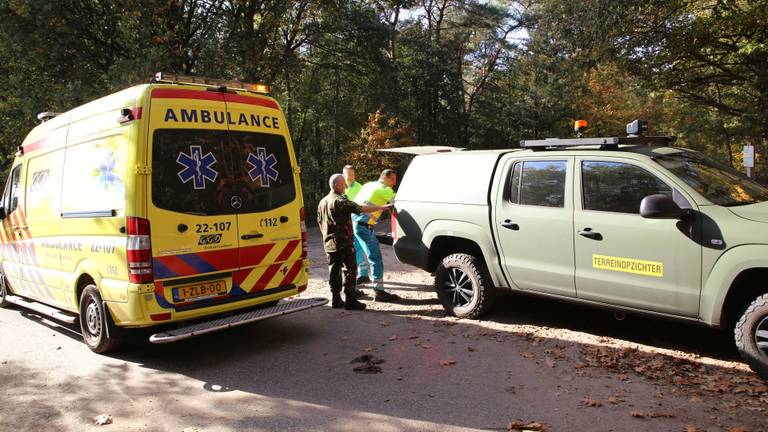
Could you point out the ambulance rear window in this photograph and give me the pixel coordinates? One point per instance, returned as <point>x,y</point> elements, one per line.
<point>208,172</point>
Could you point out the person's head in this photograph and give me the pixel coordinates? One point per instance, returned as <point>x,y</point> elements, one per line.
<point>388,177</point>
<point>349,174</point>
<point>336,182</point>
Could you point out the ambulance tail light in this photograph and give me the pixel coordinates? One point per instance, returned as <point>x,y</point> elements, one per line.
<point>303,220</point>
<point>139,251</point>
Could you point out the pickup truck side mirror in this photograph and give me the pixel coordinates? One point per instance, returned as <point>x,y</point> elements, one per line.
<point>661,207</point>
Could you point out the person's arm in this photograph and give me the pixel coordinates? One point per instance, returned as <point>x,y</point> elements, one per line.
<point>373,208</point>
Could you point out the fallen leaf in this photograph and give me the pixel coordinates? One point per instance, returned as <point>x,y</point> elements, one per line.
<point>521,426</point>
<point>661,414</point>
<point>447,363</point>
<point>426,346</point>
<point>580,365</point>
<point>367,358</point>
<point>588,401</point>
<point>615,400</point>
<point>527,354</point>
<point>102,420</point>
<point>190,429</point>
<point>548,360</point>
<point>691,428</point>
<point>413,337</point>
<point>471,349</point>
<point>393,338</point>
<point>739,429</point>
<point>384,323</point>
<point>637,414</point>
<point>623,377</point>
<point>368,368</point>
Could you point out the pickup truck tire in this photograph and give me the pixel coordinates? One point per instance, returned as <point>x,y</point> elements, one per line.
<point>463,286</point>
<point>99,332</point>
<point>751,335</point>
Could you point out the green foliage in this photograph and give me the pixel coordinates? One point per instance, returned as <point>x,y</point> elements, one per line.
<point>468,73</point>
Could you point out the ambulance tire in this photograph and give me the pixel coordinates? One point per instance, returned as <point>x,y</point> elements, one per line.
<point>98,329</point>
<point>4,291</point>
<point>751,335</point>
<point>464,286</point>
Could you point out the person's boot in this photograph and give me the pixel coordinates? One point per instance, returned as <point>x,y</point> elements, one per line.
<point>385,297</point>
<point>352,303</point>
<point>337,302</point>
<point>363,280</point>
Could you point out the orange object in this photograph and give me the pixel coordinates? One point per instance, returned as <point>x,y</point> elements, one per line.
<point>580,125</point>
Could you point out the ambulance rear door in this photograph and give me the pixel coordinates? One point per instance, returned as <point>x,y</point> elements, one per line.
<point>194,231</point>
<point>267,191</point>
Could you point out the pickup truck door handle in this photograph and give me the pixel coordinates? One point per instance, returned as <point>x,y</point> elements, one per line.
<point>509,224</point>
<point>252,236</point>
<point>588,233</point>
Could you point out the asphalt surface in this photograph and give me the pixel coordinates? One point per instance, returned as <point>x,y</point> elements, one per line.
<point>523,362</point>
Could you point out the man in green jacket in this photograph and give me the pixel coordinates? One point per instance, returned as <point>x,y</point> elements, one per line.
<point>334,218</point>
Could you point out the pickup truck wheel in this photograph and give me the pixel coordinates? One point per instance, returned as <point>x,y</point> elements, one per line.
<point>99,332</point>
<point>751,335</point>
<point>463,286</point>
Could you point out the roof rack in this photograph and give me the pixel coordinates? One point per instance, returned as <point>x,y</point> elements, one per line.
<point>605,142</point>
<point>168,78</point>
<point>635,136</point>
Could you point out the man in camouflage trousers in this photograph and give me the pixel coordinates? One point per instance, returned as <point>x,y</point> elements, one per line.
<point>334,217</point>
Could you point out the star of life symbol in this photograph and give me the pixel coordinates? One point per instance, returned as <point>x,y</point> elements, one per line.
<point>197,167</point>
<point>263,166</point>
<point>107,177</point>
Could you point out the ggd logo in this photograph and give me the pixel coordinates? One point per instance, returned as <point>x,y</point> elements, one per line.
<point>209,239</point>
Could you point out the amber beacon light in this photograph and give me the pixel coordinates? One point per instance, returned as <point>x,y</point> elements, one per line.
<point>579,126</point>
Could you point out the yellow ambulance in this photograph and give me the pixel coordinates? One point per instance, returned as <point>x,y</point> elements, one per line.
<point>169,202</point>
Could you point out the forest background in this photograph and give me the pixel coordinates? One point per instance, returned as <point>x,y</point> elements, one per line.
<point>358,75</point>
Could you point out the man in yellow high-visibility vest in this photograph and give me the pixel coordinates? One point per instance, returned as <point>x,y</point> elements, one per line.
<point>377,193</point>
<point>353,187</point>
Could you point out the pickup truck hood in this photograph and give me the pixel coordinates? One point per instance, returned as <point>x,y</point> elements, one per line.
<point>754,212</point>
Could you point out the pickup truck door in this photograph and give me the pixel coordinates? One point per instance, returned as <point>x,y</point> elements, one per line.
<point>623,258</point>
<point>533,222</point>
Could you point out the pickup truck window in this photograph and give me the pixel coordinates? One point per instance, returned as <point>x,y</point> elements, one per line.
<point>618,187</point>
<point>538,183</point>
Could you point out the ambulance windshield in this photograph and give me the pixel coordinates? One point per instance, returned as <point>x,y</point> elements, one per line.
<point>210,172</point>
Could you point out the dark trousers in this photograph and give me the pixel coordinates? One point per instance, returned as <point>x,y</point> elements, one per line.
<point>342,267</point>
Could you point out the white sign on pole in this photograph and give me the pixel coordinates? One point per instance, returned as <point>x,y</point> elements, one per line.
<point>749,156</point>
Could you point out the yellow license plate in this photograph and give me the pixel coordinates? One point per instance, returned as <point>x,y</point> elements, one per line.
<point>200,290</point>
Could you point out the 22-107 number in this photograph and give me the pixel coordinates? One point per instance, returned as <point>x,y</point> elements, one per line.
<point>214,227</point>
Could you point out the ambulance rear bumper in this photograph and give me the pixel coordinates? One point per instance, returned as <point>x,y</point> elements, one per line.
<point>218,324</point>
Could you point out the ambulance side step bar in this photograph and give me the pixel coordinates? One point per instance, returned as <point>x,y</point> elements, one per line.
<point>236,320</point>
<point>42,309</point>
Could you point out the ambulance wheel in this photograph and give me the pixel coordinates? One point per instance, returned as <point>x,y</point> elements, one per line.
<point>464,286</point>
<point>99,332</point>
<point>4,292</point>
<point>751,335</point>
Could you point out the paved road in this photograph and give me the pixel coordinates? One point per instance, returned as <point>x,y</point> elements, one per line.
<point>529,361</point>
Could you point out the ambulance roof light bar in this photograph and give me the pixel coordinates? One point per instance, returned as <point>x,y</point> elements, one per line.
<point>634,136</point>
<point>162,77</point>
